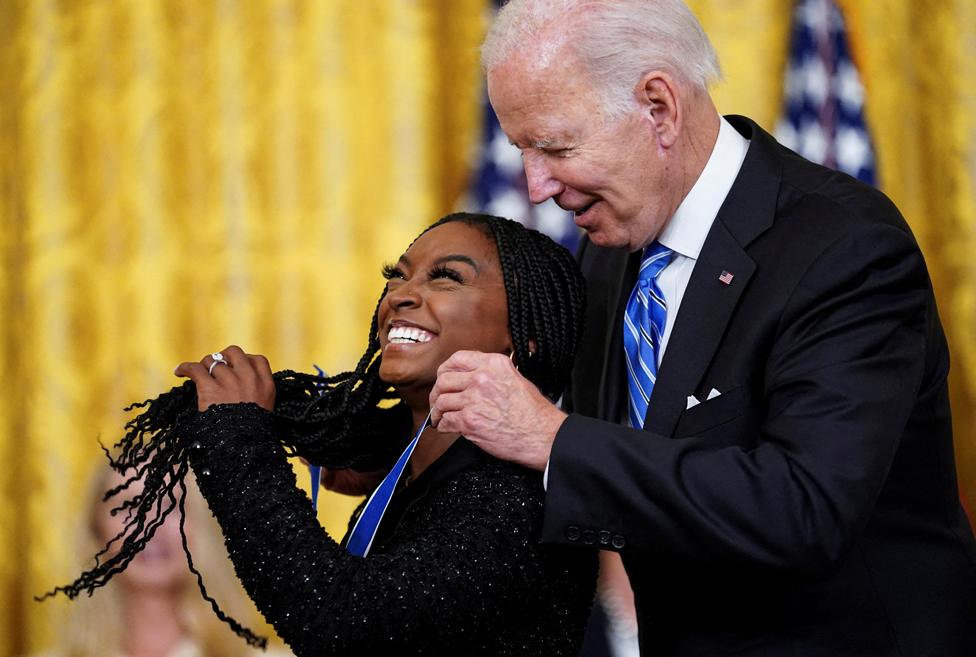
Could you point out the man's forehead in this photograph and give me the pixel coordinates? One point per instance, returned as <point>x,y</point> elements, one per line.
<point>544,106</point>
<point>542,55</point>
<point>524,79</point>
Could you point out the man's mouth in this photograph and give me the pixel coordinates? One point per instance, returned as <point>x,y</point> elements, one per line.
<point>581,211</point>
<point>579,215</point>
<point>409,335</point>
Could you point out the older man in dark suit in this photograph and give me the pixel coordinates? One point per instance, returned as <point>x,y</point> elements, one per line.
<point>758,421</point>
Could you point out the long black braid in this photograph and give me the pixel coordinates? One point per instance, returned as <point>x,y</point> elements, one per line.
<point>347,420</point>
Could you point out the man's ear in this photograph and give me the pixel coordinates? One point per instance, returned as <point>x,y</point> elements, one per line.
<point>658,96</point>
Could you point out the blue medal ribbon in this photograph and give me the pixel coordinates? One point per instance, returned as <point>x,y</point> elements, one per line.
<point>363,532</point>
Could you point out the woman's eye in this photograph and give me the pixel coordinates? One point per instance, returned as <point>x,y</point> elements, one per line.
<point>445,272</point>
<point>391,272</point>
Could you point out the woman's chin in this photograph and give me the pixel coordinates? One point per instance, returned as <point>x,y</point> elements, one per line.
<point>406,381</point>
<point>405,371</point>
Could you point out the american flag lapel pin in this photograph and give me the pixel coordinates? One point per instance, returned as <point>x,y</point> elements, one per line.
<point>726,277</point>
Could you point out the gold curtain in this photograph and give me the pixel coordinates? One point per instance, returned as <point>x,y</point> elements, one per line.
<point>176,176</point>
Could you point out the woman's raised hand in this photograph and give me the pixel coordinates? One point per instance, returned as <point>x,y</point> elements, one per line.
<point>230,376</point>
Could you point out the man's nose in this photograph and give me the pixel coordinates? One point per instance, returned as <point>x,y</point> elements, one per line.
<point>541,182</point>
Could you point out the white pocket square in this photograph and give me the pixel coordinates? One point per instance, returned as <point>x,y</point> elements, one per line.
<point>693,401</point>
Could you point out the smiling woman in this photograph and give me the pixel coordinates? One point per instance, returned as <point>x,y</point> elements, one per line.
<point>455,565</point>
<point>445,294</point>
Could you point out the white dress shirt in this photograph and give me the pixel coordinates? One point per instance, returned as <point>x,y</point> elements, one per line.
<point>687,229</point>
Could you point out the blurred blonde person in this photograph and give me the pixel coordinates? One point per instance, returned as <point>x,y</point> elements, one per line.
<point>153,608</point>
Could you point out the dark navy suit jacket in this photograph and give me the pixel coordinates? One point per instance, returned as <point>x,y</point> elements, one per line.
<point>812,508</point>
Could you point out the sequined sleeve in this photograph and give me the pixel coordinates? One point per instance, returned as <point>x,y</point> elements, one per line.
<point>463,569</point>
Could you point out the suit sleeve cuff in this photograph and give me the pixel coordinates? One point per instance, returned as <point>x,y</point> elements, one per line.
<point>575,511</point>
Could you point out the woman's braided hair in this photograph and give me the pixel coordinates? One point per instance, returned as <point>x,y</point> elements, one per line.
<point>346,420</point>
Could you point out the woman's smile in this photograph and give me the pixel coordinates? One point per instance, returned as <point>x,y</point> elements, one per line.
<point>406,335</point>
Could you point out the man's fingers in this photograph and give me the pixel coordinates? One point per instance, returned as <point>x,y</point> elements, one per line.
<point>449,382</point>
<point>446,395</point>
<point>470,368</point>
<point>450,412</point>
<point>465,361</point>
<point>449,403</point>
<point>451,422</point>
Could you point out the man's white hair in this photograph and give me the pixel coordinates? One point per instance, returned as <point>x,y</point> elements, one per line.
<point>616,41</point>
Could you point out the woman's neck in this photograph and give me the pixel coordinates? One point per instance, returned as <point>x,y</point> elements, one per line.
<point>431,445</point>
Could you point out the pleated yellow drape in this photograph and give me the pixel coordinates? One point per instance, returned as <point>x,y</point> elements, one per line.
<point>176,176</point>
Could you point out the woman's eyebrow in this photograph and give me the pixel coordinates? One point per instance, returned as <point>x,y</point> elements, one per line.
<point>455,257</point>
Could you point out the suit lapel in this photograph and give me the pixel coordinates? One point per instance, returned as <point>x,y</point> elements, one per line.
<point>705,310</point>
<point>708,302</point>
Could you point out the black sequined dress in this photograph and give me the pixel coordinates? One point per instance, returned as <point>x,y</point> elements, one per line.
<point>455,569</point>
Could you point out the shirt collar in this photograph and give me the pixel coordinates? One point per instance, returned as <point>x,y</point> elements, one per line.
<point>686,231</point>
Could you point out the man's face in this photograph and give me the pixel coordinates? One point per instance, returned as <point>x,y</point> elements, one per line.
<point>611,174</point>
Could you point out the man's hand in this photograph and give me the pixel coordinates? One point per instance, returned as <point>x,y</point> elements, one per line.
<point>240,377</point>
<point>483,397</point>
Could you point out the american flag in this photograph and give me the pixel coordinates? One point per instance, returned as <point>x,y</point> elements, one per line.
<point>824,106</point>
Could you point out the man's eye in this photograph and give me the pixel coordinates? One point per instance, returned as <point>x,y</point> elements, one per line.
<point>445,272</point>
<point>559,152</point>
<point>391,271</point>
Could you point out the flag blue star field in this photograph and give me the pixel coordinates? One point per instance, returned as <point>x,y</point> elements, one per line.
<point>824,106</point>
<point>499,188</point>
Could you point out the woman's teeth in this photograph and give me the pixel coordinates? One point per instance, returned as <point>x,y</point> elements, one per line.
<point>408,335</point>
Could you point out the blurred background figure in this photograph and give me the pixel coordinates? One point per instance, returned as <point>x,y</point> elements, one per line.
<point>153,608</point>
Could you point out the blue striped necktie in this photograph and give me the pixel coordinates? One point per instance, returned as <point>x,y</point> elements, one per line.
<point>644,323</point>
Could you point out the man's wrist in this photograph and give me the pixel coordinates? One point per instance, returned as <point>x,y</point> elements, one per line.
<point>551,424</point>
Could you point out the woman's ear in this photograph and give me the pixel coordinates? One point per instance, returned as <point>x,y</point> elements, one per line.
<point>532,350</point>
